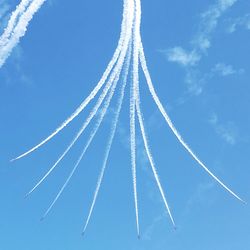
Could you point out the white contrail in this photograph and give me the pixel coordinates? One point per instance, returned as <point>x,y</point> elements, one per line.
<point>133,152</point>
<point>114,77</point>
<point>150,157</point>
<point>97,87</point>
<point>137,102</point>
<point>172,127</point>
<point>112,133</point>
<point>19,30</point>
<point>91,137</point>
<point>135,81</point>
<point>86,123</point>
<point>12,21</point>
<point>140,117</point>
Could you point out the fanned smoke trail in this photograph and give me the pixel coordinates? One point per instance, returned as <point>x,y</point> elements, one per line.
<point>137,103</point>
<point>112,134</point>
<point>114,77</point>
<point>129,46</point>
<point>86,123</point>
<point>4,38</point>
<point>95,90</point>
<point>172,127</point>
<point>113,129</point>
<point>97,125</point>
<point>92,135</point>
<point>19,30</point>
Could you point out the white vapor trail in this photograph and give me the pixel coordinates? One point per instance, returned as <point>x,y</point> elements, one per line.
<point>172,127</point>
<point>150,157</point>
<point>114,77</point>
<point>135,82</point>
<point>114,125</point>
<point>97,87</point>
<point>91,137</point>
<point>86,123</point>
<point>19,30</point>
<point>137,44</point>
<point>112,134</point>
<point>128,57</point>
<point>12,22</point>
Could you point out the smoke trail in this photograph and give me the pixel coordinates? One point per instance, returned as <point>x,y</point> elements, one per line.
<point>112,133</point>
<point>99,85</point>
<point>136,30</point>
<point>150,157</point>
<point>12,21</point>
<point>172,127</point>
<point>86,123</point>
<point>92,135</point>
<point>115,74</point>
<point>99,182</point>
<point>133,152</point>
<point>137,102</point>
<point>20,29</point>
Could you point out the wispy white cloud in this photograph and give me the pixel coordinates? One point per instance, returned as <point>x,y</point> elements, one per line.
<point>243,22</point>
<point>203,195</point>
<point>179,55</point>
<point>4,7</point>
<point>200,44</point>
<point>209,22</point>
<point>227,131</point>
<point>15,73</point>
<point>147,236</point>
<point>226,70</point>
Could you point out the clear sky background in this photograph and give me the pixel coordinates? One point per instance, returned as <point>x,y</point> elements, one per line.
<point>198,56</point>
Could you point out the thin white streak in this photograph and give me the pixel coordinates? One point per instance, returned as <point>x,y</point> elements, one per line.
<point>113,79</point>
<point>92,135</point>
<point>150,157</point>
<point>136,31</point>
<point>170,124</point>
<point>112,134</point>
<point>97,87</point>
<point>86,123</point>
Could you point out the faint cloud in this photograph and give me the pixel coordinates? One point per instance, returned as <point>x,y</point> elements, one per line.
<point>200,44</point>
<point>243,22</point>
<point>13,71</point>
<point>179,55</point>
<point>227,131</point>
<point>195,81</point>
<point>147,236</point>
<point>4,9</point>
<point>209,22</point>
<point>226,70</point>
<point>200,196</point>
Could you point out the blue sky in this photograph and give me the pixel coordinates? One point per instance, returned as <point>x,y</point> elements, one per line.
<point>197,53</point>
